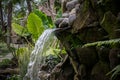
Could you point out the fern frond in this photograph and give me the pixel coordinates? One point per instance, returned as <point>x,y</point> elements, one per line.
<point>114,72</point>
<point>110,43</point>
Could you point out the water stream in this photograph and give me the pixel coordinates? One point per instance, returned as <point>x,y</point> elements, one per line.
<point>42,45</point>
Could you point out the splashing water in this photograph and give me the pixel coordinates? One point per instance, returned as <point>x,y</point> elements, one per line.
<point>42,45</point>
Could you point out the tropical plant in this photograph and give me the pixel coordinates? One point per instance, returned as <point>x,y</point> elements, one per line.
<point>36,23</point>
<point>35,26</point>
<point>23,55</point>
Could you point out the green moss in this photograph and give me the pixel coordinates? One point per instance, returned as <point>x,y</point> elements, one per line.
<point>107,43</point>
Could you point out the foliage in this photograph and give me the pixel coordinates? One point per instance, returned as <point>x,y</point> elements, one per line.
<point>36,23</point>
<point>35,26</point>
<point>47,21</point>
<point>13,77</point>
<point>52,60</point>
<point>110,43</point>
<point>3,49</point>
<point>59,13</point>
<point>23,59</point>
<point>5,63</point>
<point>20,30</point>
<point>115,72</point>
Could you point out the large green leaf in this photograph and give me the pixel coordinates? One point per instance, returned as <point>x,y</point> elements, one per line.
<point>20,30</point>
<point>35,25</point>
<point>47,21</point>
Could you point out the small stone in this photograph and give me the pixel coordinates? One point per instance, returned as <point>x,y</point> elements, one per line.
<point>71,4</point>
<point>73,11</point>
<point>77,7</point>
<point>65,15</point>
<point>64,23</point>
<point>72,19</point>
<point>58,21</point>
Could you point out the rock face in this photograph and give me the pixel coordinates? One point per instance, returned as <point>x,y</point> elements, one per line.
<point>82,22</point>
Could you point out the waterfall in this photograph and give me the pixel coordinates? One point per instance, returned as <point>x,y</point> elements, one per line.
<point>36,59</point>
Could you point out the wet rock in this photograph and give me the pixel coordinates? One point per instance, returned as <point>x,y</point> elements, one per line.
<point>62,71</point>
<point>71,4</point>
<point>99,71</point>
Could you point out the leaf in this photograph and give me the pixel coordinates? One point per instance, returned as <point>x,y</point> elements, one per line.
<point>47,21</point>
<point>35,25</point>
<point>42,16</point>
<point>20,30</point>
<point>114,72</point>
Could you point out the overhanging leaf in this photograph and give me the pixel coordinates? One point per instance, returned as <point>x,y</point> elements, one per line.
<point>34,25</point>
<point>47,21</point>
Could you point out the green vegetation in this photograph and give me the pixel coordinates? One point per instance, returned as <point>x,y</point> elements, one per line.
<point>5,63</point>
<point>13,77</point>
<point>23,55</point>
<point>115,72</point>
<point>3,49</point>
<point>36,23</point>
<point>108,43</point>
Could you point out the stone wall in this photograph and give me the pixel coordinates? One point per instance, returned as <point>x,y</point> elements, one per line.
<point>84,22</point>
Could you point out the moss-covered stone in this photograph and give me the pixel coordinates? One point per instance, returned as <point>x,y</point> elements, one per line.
<point>103,54</point>
<point>110,24</point>
<point>92,34</point>
<point>99,71</point>
<point>87,56</point>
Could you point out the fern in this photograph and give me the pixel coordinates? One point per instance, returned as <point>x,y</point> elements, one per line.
<point>20,30</point>
<point>110,43</point>
<point>114,72</point>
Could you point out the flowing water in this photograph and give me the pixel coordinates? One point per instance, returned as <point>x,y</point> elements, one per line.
<point>42,45</point>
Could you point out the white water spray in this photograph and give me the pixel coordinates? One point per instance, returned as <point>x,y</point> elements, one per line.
<point>42,45</point>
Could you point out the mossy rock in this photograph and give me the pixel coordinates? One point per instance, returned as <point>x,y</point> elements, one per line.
<point>99,71</point>
<point>114,57</point>
<point>103,53</point>
<point>87,56</point>
<point>92,34</point>
<point>110,24</point>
